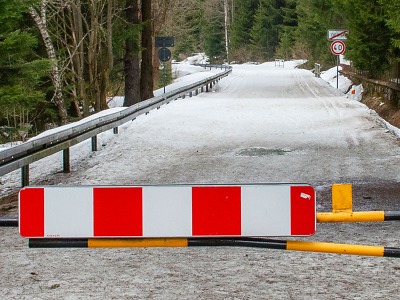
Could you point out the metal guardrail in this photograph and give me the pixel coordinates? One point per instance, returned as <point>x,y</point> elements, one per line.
<point>22,155</point>
<point>222,67</point>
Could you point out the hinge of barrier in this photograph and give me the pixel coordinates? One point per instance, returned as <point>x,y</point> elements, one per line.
<point>342,199</point>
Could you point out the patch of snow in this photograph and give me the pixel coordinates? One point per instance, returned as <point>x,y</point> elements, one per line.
<point>330,76</point>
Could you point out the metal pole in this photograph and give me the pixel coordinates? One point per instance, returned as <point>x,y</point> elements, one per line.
<point>337,72</point>
<point>165,76</point>
<point>8,222</point>
<point>364,250</point>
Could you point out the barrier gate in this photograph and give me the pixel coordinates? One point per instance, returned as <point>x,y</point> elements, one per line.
<point>189,215</point>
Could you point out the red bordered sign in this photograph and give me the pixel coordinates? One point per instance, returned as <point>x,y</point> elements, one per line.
<point>338,47</point>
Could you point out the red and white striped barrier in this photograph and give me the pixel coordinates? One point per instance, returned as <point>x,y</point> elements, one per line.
<point>167,211</point>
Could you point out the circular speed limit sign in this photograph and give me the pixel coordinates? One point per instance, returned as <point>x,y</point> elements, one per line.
<point>338,47</point>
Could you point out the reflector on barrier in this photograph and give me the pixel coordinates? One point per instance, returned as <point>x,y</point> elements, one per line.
<point>167,211</point>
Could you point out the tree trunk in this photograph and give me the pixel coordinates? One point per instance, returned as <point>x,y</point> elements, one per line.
<point>131,59</point>
<point>108,60</point>
<point>93,52</point>
<point>146,78</point>
<point>78,57</point>
<point>58,98</point>
<point>226,27</point>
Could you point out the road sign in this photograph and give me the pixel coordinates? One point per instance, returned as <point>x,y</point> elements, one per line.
<point>338,47</point>
<point>167,211</point>
<point>164,41</point>
<point>337,34</point>
<point>164,54</point>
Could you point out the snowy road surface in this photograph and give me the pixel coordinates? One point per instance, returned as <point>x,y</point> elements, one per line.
<point>260,124</point>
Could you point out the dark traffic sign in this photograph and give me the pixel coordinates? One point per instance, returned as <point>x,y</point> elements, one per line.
<point>164,41</point>
<point>164,54</point>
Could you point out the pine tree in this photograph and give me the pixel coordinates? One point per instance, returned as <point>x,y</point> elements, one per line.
<point>315,17</point>
<point>268,22</point>
<point>213,30</point>
<point>287,31</point>
<point>368,44</point>
<point>392,8</point>
<point>21,71</point>
<point>241,26</point>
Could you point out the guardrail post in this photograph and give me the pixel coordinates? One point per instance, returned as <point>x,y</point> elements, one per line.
<point>196,92</point>
<point>115,130</point>
<point>66,164</point>
<point>317,70</point>
<point>94,143</point>
<point>25,176</point>
<point>207,88</point>
<point>191,94</point>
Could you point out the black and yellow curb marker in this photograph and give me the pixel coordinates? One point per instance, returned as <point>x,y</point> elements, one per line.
<point>350,249</point>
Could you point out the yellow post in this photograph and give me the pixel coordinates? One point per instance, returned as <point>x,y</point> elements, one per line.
<point>336,248</point>
<point>342,199</point>
<point>137,243</point>
<point>361,216</point>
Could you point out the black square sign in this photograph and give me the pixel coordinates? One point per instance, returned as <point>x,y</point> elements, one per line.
<point>164,41</point>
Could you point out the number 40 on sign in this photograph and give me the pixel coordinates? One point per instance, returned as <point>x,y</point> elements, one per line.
<point>338,47</point>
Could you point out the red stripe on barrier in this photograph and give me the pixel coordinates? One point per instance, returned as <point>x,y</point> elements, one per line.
<point>216,211</point>
<point>31,205</point>
<point>118,211</point>
<point>302,210</point>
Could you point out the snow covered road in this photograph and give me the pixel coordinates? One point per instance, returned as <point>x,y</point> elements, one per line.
<point>260,124</point>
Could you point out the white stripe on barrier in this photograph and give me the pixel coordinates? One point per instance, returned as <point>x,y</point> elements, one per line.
<point>266,210</point>
<point>167,212</point>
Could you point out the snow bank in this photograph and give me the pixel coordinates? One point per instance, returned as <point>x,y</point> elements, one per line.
<point>198,58</point>
<point>356,92</point>
<point>330,76</point>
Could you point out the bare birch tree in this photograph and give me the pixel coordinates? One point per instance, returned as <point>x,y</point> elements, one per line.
<point>226,28</point>
<point>39,15</point>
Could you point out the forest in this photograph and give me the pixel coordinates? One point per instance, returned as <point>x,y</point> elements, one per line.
<point>61,60</point>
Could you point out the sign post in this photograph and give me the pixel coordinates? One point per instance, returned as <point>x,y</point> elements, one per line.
<point>164,54</point>
<point>337,48</point>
